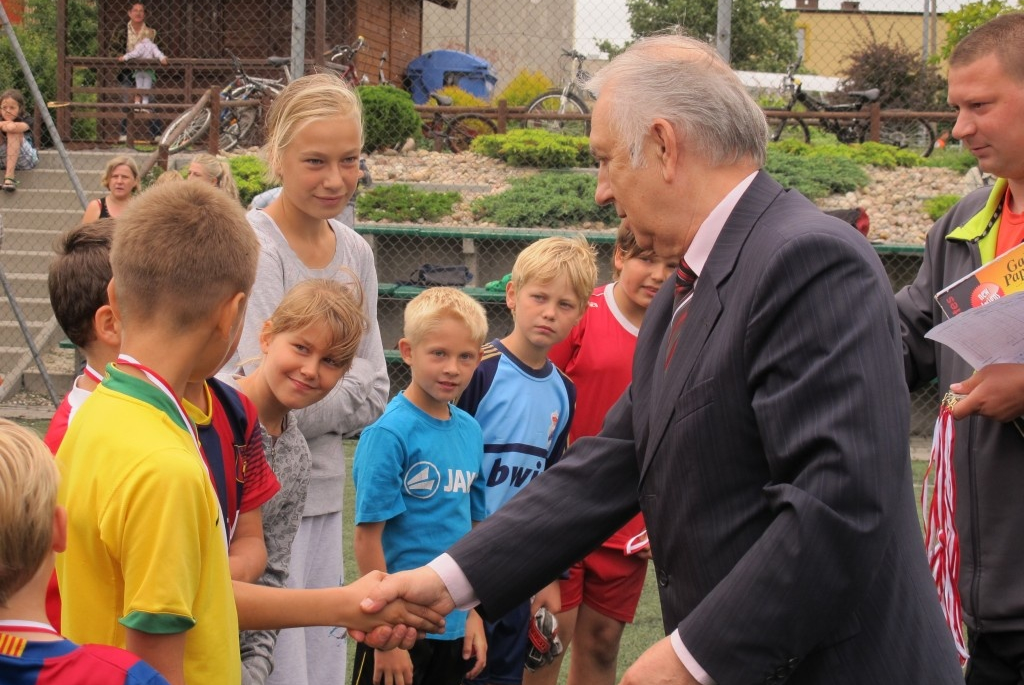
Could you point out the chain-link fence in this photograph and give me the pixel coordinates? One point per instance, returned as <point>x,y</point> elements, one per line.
<point>486,50</point>
<point>491,50</point>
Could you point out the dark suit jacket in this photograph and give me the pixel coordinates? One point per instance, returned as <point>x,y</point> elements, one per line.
<point>770,462</point>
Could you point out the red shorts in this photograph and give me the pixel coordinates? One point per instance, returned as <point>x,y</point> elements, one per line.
<point>607,581</point>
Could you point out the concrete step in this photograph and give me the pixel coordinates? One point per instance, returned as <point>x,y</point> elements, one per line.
<point>32,308</point>
<point>86,160</point>
<point>46,198</point>
<point>32,381</point>
<point>28,285</point>
<point>31,261</point>
<point>52,179</point>
<point>25,239</point>
<point>53,220</point>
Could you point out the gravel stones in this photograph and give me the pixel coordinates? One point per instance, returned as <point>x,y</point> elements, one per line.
<point>893,200</point>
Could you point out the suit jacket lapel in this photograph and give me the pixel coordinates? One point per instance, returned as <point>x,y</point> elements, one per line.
<point>704,311</point>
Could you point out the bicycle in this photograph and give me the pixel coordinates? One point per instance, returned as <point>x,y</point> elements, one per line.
<point>455,131</point>
<point>342,58</point>
<point>909,134</point>
<point>236,123</point>
<point>567,100</point>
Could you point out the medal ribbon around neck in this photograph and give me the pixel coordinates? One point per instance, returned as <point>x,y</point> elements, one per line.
<point>165,388</point>
<point>13,626</point>
<point>93,374</point>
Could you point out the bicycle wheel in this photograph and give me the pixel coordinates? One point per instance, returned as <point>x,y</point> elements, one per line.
<point>462,129</point>
<point>231,128</point>
<point>916,135</point>
<point>791,129</point>
<point>552,102</point>
<point>195,129</point>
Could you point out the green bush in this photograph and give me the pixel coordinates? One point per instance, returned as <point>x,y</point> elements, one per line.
<point>549,199</point>
<point>248,172</point>
<point>389,117</point>
<point>957,160</point>
<point>524,88</point>
<point>815,176</point>
<point>937,206</point>
<point>401,204</point>
<point>535,147</point>
<point>875,154</point>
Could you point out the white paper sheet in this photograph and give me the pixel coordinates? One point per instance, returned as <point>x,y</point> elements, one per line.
<point>990,334</point>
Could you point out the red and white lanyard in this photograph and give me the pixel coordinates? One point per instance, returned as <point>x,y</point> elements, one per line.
<point>12,626</point>
<point>165,388</point>
<point>92,374</point>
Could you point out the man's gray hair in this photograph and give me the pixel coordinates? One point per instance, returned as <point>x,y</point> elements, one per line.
<point>684,81</point>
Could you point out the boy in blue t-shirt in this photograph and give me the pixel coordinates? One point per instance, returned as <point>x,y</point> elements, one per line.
<point>419,484</point>
<point>525,405</point>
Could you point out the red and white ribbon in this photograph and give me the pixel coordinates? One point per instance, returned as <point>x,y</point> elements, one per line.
<point>938,506</point>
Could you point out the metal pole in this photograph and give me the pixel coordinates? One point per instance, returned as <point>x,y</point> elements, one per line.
<point>935,27</point>
<point>924,34</point>
<point>469,5</point>
<point>723,37</point>
<point>298,38</point>
<point>37,97</point>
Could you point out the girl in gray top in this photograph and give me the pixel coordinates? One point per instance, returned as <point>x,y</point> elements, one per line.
<point>314,137</point>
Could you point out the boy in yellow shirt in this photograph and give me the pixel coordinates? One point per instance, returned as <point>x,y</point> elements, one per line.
<point>146,566</point>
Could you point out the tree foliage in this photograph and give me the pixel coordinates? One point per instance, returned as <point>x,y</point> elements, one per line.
<point>763,34</point>
<point>36,36</point>
<point>971,16</point>
<point>898,72</point>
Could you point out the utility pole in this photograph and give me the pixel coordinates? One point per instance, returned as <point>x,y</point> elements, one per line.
<point>723,36</point>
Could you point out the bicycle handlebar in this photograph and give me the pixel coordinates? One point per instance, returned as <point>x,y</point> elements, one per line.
<point>575,55</point>
<point>346,52</point>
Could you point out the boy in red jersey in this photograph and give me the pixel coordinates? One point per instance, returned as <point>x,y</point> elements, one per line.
<point>602,592</point>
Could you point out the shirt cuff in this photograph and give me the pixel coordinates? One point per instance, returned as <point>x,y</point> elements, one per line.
<point>455,581</point>
<point>689,663</point>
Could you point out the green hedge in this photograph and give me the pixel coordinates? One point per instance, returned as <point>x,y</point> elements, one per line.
<point>534,147</point>
<point>549,199</point>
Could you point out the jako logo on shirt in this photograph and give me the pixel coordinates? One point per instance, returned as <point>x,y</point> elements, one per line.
<point>423,479</point>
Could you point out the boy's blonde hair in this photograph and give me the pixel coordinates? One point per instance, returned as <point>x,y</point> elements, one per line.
<point>120,160</point>
<point>545,260</point>
<point>168,176</point>
<point>78,278</point>
<point>425,311</point>
<point>218,169</point>
<point>322,301</point>
<point>28,498</point>
<point>178,252</point>
<point>306,99</point>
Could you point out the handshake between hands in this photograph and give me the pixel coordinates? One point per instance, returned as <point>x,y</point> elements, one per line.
<point>399,608</point>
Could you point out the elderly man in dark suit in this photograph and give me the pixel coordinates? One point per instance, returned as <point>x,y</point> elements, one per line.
<point>764,436</point>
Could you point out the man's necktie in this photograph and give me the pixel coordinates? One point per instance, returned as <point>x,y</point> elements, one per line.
<point>686,279</point>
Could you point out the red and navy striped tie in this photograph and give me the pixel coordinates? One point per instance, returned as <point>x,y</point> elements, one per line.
<point>686,279</point>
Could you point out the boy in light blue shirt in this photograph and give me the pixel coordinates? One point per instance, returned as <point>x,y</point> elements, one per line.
<point>419,485</point>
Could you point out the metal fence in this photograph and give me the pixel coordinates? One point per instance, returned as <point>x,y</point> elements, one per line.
<point>491,50</point>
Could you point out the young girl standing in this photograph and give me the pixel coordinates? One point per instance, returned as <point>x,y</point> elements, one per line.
<point>314,136</point>
<point>306,346</point>
<point>603,590</point>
